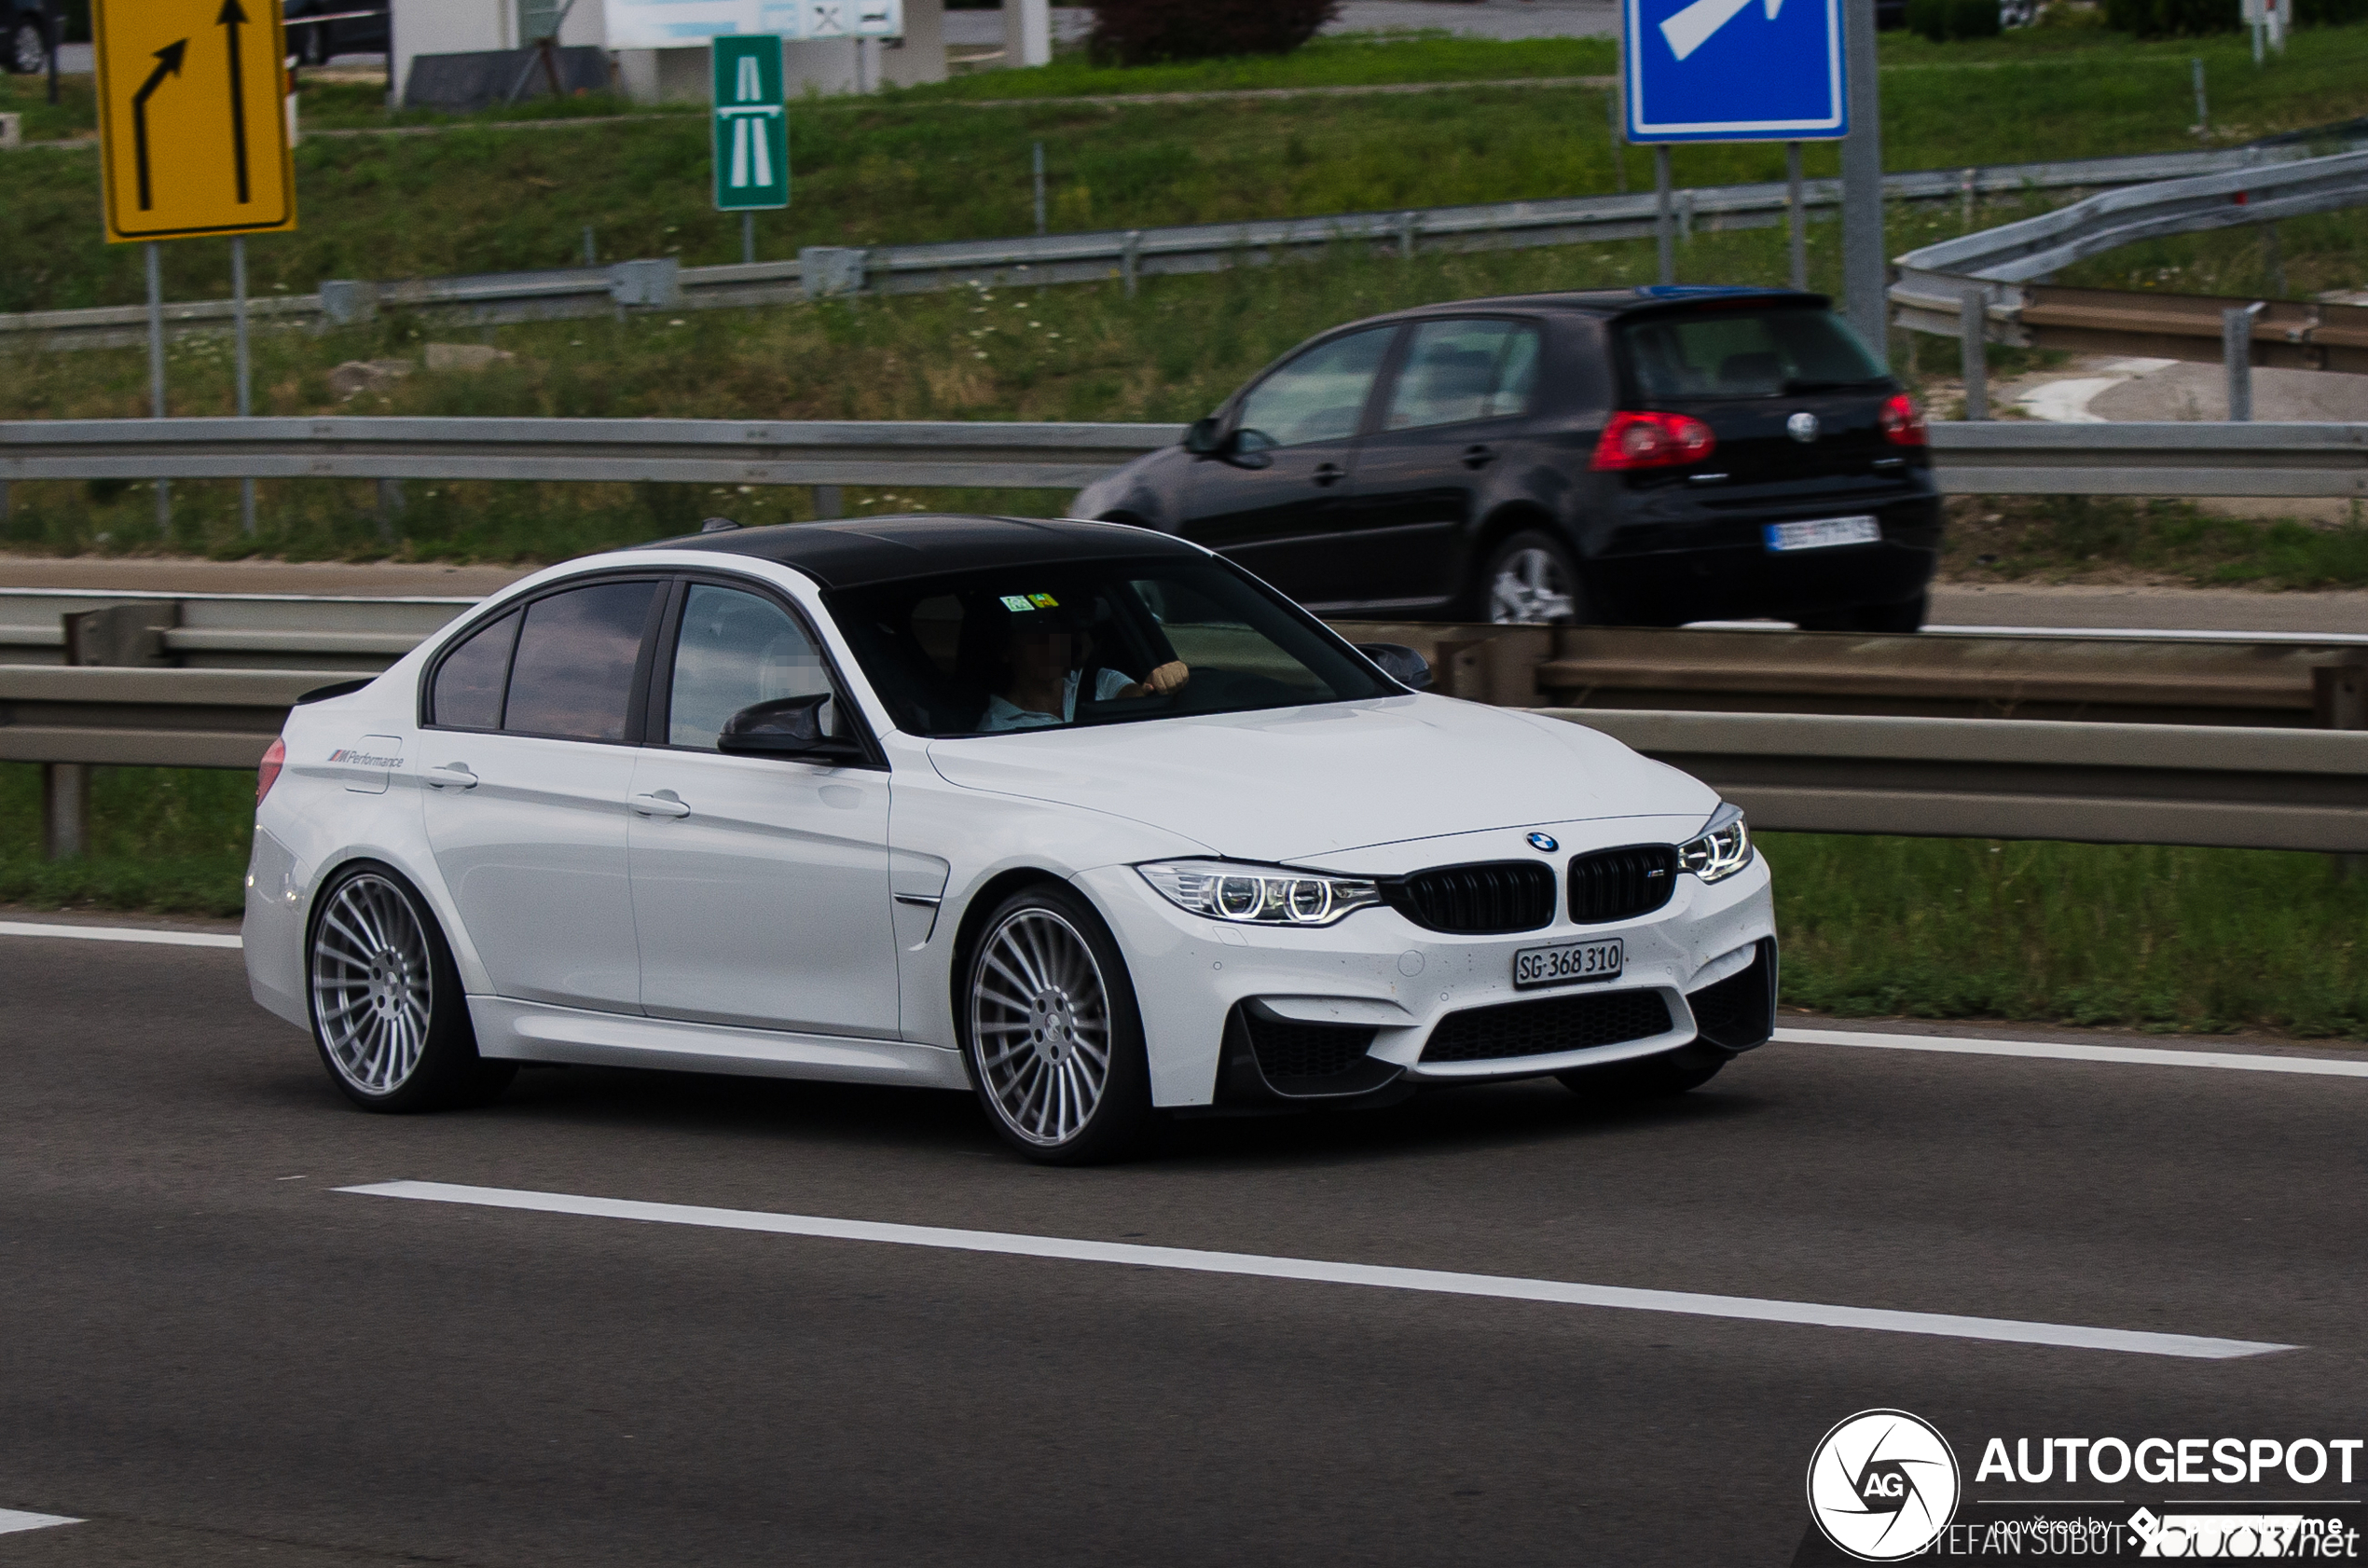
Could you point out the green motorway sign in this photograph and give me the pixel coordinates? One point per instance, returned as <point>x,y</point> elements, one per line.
<point>751,133</point>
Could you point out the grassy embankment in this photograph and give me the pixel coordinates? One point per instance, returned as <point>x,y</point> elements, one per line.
<point>2159,938</point>
<point>905,167</point>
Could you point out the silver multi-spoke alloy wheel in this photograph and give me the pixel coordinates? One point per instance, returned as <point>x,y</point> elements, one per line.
<point>1041,1026</point>
<point>1530,589</point>
<point>373,984</point>
<point>28,49</point>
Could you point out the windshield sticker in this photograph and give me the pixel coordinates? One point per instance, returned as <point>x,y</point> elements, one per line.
<point>1044,601</point>
<point>1015,604</point>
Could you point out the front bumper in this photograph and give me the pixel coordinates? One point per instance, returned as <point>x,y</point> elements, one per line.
<point>1204,987</point>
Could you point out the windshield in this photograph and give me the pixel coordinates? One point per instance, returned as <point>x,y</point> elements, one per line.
<point>1774,352</point>
<point>1069,643</point>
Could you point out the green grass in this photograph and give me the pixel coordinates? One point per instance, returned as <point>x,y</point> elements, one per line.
<point>2169,939</point>
<point>1355,60</point>
<point>2296,258</point>
<point>2057,538</point>
<point>2203,940</point>
<point>170,839</point>
<point>902,167</point>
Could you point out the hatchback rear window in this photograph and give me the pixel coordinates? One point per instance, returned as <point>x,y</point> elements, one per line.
<point>1746,353</point>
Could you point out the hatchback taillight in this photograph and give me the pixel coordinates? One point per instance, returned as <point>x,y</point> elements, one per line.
<point>267,773</point>
<point>1904,422</point>
<point>1652,440</point>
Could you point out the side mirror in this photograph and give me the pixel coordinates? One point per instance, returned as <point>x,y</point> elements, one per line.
<point>1400,663</point>
<point>790,727</point>
<point>1204,440</point>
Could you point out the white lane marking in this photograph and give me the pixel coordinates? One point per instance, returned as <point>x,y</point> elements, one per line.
<point>159,937</point>
<point>12,1519</point>
<point>1505,1287</point>
<point>2066,1051</point>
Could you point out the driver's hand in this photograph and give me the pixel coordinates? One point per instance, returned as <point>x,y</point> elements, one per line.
<point>1166,678</point>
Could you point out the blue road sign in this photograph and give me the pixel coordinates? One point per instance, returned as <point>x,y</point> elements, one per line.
<point>1735,70</point>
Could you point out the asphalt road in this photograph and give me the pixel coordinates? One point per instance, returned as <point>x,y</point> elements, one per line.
<point>211,1356</point>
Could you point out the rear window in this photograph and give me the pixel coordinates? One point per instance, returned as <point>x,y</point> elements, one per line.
<point>1744,353</point>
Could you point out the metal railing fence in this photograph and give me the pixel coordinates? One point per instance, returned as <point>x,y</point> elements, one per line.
<point>1125,254</point>
<point>2015,458</point>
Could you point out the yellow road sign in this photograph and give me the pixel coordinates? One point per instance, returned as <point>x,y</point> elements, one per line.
<point>193,136</point>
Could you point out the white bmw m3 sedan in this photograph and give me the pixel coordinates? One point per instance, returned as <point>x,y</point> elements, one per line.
<point>1077,817</point>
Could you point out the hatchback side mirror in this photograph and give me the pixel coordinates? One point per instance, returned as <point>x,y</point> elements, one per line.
<point>790,728</point>
<point>1400,663</point>
<point>1205,439</point>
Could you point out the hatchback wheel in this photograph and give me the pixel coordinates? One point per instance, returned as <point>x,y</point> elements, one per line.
<point>28,49</point>
<point>386,1010</point>
<point>1530,581</point>
<point>313,45</point>
<point>1051,1032</point>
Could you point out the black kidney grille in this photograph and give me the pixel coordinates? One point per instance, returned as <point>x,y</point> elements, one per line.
<point>1289,1050</point>
<point>1547,1026</point>
<point>1621,883</point>
<point>1476,900</point>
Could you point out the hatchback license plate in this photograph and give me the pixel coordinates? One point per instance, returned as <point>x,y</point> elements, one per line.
<point>1570,963</point>
<point>1823,534</point>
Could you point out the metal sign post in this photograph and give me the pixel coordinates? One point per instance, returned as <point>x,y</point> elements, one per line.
<point>752,130</point>
<point>1865,270</point>
<point>1732,71</point>
<point>193,143</point>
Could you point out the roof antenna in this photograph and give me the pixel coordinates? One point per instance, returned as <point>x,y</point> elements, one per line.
<point>718,524</point>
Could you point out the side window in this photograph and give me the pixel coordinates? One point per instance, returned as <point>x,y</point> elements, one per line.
<point>1319,395</point>
<point>574,674</point>
<point>1456,371</point>
<point>736,649</point>
<point>467,695</point>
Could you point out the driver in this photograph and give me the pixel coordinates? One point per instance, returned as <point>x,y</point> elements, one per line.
<point>1041,673</point>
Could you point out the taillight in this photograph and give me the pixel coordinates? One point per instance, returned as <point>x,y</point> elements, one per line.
<point>1904,422</point>
<point>1650,440</point>
<point>267,773</point>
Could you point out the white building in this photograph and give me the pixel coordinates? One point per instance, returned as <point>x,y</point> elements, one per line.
<point>649,76</point>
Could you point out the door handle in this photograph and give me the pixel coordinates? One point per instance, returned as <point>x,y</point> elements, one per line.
<point>666,802</point>
<point>1479,454</point>
<point>1329,474</point>
<point>454,776</point>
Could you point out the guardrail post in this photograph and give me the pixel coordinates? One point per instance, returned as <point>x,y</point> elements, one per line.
<point>2236,351</point>
<point>65,810</point>
<point>1973,333</point>
<point>1406,224</point>
<point>347,301</point>
<point>1620,142</point>
<point>391,505</point>
<point>825,270</point>
<point>826,502</point>
<point>2339,694</point>
<point>1130,259</point>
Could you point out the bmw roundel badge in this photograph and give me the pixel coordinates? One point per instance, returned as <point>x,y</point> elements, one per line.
<point>1544,841</point>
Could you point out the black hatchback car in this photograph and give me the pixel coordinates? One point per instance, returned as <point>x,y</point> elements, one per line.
<point>1636,457</point>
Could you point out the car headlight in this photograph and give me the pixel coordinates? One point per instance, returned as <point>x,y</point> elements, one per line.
<point>1724,848</point>
<point>1258,895</point>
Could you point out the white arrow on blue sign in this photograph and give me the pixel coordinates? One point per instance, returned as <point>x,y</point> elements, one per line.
<point>1735,70</point>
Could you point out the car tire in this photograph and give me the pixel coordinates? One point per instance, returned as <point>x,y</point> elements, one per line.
<point>1530,579</point>
<point>312,49</point>
<point>389,1016</point>
<point>1050,1031</point>
<point>1907,615</point>
<point>1677,1072</point>
<point>28,49</point>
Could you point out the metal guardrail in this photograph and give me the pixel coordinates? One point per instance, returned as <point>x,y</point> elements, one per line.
<point>2005,268</point>
<point>961,454</point>
<point>2016,458</point>
<point>2232,789</point>
<point>566,292</point>
<point>2257,789</point>
<point>227,631</point>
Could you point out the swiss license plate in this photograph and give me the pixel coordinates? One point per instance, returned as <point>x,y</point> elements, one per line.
<point>1569,963</point>
<point>1822,534</point>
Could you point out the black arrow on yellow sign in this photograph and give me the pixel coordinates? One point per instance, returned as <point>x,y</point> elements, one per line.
<point>230,21</point>
<point>168,64</point>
